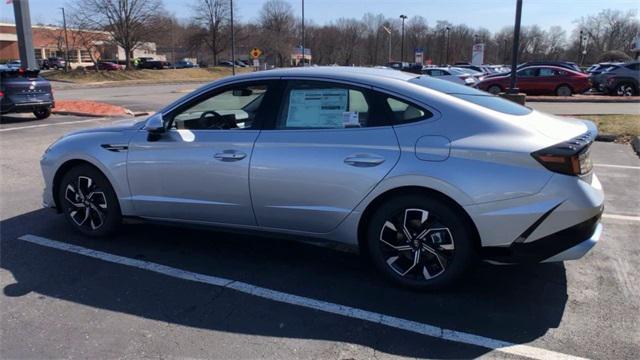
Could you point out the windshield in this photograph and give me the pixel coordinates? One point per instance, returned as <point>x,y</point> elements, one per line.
<point>472,95</point>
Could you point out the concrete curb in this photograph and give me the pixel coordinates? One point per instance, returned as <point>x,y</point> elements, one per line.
<point>571,99</point>
<point>128,113</point>
<point>606,137</point>
<point>635,144</point>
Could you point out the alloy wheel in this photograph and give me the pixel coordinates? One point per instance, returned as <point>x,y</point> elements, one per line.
<point>625,90</point>
<point>87,203</point>
<point>416,245</point>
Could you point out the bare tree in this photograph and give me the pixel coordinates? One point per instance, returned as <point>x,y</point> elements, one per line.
<point>129,22</point>
<point>277,23</point>
<point>213,18</point>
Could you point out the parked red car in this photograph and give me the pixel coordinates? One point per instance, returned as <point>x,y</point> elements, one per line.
<point>109,66</point>
<point>540,80</point>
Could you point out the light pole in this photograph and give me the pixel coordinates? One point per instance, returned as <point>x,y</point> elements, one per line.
<point>66,41</point>
<point>448,29</point>
<point>233,43</point>
<point>516,45</point>
<point>583,48</point>
<point>403,17</point>
<point>303,59</point>
<point>389,36</point>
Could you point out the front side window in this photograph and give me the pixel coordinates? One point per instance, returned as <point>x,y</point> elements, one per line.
<point>527,72</point>
<point>317,105</point>
<point>233,108</point>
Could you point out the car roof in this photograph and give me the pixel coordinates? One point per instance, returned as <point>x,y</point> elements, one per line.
<point>344,73</point>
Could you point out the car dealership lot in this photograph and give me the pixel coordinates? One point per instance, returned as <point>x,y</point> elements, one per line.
<point>61,303</point>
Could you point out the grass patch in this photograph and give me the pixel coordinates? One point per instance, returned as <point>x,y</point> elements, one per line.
<point>624,127</point>
<point>166,75</point>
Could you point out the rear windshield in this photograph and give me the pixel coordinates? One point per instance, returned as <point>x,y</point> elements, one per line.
<point>472,95</point>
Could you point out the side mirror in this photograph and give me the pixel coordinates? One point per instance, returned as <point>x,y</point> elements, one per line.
<point>155,126</point>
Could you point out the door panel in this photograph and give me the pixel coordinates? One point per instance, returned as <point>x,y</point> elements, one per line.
<point>310,180</point>
<point>198,175</point>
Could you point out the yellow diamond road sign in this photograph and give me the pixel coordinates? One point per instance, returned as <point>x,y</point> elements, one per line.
<point>255,53</point>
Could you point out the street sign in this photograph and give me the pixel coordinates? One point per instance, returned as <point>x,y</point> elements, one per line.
<point>419,56</point>
<point>255,53</point>
<point>477,55</point>
<point>256,63</point>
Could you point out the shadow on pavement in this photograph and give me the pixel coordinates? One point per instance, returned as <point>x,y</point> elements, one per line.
<point>18,118</point>
<point>515,304</point>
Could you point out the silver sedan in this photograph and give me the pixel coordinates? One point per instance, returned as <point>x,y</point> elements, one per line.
<point>422,175</point>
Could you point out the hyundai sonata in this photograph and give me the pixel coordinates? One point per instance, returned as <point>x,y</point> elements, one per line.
<point>424,176</point>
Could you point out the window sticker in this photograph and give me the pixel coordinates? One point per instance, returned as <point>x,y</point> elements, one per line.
<point>350,119</point>
<point>317,108</point>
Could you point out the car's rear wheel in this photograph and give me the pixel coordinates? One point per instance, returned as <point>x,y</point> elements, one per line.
<point>88,201</point>
<point>420,242</point>
<point>564,90</point>
<point>41,114</point>
<point>625,89</point>
<point>494,89</point>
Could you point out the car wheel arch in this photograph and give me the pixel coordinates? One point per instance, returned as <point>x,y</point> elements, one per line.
<point>64,168</point>
<point>564,84</point>
<point>373,205</point>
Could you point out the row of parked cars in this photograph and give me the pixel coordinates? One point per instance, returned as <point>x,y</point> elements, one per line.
<point>561,78</point>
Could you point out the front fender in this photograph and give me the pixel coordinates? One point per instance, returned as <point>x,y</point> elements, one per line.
<point>87,147</point>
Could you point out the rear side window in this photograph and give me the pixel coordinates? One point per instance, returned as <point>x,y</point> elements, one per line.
<point>635,66</point>
<point>404,112</point>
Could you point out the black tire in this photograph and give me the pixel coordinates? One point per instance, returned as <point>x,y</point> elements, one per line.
<point>42,114</point>
<point>494,89</point>
<point>444,255</point>
<point>564,90</point>
<point>95,196</point>
<point>625,89</point>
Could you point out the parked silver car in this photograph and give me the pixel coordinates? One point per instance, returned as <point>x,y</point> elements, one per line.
<point>422,175</point>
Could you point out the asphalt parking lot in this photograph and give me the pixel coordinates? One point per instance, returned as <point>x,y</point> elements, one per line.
<point>158,291</point>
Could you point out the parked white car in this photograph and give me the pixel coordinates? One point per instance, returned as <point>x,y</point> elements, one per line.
<point>454,74</point>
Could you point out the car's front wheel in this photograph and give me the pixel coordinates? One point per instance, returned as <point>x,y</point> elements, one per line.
<point>494,89</point>
<point>88,201</point>
<point>42,114</point>
<point>421,242</point>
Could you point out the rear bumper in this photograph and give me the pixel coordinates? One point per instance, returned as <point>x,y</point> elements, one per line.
<point>26,107</point>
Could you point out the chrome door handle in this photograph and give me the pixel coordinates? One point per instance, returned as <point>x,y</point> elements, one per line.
<point>230,155</point>
<point>363,160</point>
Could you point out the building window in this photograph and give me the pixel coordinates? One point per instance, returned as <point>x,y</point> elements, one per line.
<point>38,53</point>
<point>73,56</point>
<point>84,56</point>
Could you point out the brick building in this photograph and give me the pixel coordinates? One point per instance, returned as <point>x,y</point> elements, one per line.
<point>49,41</point>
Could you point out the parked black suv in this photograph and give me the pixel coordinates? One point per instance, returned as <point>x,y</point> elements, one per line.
<point>24,91</point>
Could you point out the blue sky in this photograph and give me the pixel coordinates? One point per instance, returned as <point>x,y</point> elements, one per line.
<point>490,14</point>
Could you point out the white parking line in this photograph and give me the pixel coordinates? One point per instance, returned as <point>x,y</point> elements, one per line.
<point>621,217</point>
<point>51,124</point>
<point>347,311</point>
<point>618,166</point>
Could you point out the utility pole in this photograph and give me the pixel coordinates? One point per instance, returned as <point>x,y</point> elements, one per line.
<point>25,37</point>
<point>388,31</point>
<point>403,17</point>
<point>233,43</point>
<point>66,41</point>
<point>580,44</point>
<point>516,45</point>
<point>303,52</point>
<point>448,29</point>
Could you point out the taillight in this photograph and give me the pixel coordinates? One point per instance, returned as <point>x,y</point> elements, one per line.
<point>571,157</point>
<point>1,94</point>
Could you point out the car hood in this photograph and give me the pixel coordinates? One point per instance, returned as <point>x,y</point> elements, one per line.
<point>114,126</point>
